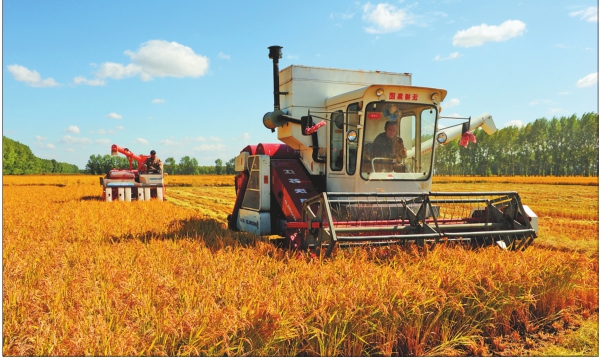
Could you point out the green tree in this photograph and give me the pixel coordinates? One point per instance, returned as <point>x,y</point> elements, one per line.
<point>170,165</point>
<point>538,140</point>
<point>556,143</point>
<point>19,159</point>
<point>94,165</point>
<point>230,166</point>
<point>525,152</point>
<point>218,166</point>
<point>188,166</point>
<point>446,157</point>
<point>589,150</point>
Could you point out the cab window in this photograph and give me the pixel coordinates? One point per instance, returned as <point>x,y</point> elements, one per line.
<point>336,140</point>
<point>397,141</point>
<point>352,115</point>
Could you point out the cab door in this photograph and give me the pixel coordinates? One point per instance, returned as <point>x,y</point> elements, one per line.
<point>343,145</point>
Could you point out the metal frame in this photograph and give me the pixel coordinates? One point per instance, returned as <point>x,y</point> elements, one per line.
<point>478,218</point>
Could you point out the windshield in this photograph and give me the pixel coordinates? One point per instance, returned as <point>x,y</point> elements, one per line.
<point>393,131</point>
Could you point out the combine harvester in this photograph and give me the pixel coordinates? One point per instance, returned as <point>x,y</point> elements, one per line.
<point>328,184</point>
<point>128,185</point>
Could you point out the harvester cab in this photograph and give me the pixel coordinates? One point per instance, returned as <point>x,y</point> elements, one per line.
<point>132,184</point>
<point>355,167</point>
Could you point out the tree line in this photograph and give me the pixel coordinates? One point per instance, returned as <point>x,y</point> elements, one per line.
<point>17,159</point>
<point>98,164</point>
<point>189,166</point>
<point>568,146</point>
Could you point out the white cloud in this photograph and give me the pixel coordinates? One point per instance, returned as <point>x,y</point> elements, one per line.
<point>31,78</point>
<point>49,146</point>
<point>343,16</point>
<point>451,103</point>
<point>478,35</point>
<point>245,136</point>
<point>69,150</point>
<point>40,138</point>
<point>158,100</point>
<point>161,58</point>
<point>590,14</point>
<point>74,140</point>
<point>170,143</point>
<point>453,115</point>
<point>117,71</point>
<point>72,129</point>
<point>199,139</point>
<point>82,80</point>
<point>452,56</point>
<point>215,139</point>
<point>386,18</point>
<point>141,141</point>
<point>112,131</point>
<point>516,123</point>
<point>155,58</point>
<point>588,80</point>
<point>106,132</point>
<point>103,141</point>
<point>223,56</point>
<point>114,116</point>
<point>216,147</point>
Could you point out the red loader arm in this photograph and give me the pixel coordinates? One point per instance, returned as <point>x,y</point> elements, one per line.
<point>130,156</point>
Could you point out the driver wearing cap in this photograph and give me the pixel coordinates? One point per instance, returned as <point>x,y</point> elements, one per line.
<point>153,164</point>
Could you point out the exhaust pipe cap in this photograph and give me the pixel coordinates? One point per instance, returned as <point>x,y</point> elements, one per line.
<point>271,120</point>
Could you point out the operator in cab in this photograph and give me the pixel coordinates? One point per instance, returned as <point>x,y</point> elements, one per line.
<point>388,145</point>
<point>153,164</point>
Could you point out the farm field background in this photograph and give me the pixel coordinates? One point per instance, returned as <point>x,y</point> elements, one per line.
<point>85,277</point>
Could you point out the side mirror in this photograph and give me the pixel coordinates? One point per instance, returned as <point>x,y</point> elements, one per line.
<point>306,121</point>
<point>351,135</point>
<point>441,138</point>
<point>339,120</point>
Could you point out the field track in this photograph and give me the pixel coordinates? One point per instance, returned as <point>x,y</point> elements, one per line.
<point>85,277</point>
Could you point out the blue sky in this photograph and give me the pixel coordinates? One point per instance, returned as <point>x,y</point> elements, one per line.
<point>194,78</point>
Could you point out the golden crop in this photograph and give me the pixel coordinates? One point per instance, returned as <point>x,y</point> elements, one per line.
<point>86,277</point>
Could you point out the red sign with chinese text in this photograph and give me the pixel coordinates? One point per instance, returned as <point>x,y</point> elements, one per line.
<point>403,96</point>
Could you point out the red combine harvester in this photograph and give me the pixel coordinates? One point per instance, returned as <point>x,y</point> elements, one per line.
<point>341,182</point>
<point>132,184</point>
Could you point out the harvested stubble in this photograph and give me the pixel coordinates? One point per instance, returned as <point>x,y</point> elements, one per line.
<point>85,277</point>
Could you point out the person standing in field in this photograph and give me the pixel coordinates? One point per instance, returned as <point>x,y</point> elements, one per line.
<point>153,164</point>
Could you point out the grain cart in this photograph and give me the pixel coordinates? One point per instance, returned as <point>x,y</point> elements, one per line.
<point>328,183</point>
<point>132,184</point>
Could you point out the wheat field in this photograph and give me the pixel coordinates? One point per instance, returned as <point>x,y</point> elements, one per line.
<point>82,277</point>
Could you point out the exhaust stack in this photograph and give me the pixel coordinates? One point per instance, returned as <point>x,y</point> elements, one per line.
<point>277,118</point>
<point>275,53</point>
<point>272,120</point>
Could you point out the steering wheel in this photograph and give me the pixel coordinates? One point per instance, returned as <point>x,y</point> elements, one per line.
<point>385,160</point>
